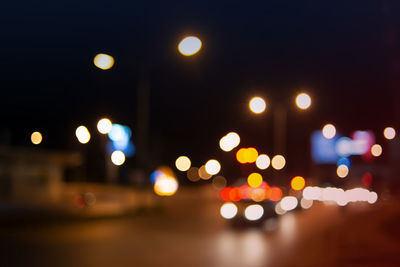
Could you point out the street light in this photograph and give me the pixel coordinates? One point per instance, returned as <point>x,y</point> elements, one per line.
<point>303,101</point>
<point>189,46</point>
<point>257,105</point>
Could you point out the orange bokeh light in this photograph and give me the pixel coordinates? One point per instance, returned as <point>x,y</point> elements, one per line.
<point>274,193</point>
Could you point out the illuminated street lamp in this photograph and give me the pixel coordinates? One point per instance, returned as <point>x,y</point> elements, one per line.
<point>189,46</point>
<point>303,101</point>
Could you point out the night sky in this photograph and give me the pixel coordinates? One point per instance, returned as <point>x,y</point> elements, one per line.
<point>346,54</point>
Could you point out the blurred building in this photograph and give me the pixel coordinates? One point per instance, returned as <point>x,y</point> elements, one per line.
<point>32,176</point>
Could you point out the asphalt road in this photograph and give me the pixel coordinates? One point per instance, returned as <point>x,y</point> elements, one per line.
<point>190,232</point>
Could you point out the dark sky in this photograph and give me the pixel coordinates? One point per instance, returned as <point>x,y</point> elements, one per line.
<point>346,54</point>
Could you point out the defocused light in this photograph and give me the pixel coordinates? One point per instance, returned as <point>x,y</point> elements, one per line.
<point>389,133</point>
<point>366,179</point>
<point>235,194</point>
<point>104,126</point>
<point>229,141</point>
<point>120,133</point>
<point>344,161</point>
<point>203,173</point>
<point>274,193</point>
<point>118,157</point>
<point>342,171</point>
<point>241,155</point>
<point>289,203</point>
<point>329,131</point>
<point>372,197</point>
<point>254,179</point>
<point>303,101</point>
<point>257,105</point>
<point>189,46</point>
<point>298,183</point>
<point>228,210</point>
<point>254,212</point>
<point>193,174</point>
<point>263,162</point>
<point>103,61</point>
<point>251,155</point>
<point>182,163</point>
<point>219,182</point>
<point>306,203</point>
<point>225,194</point>
<point>278,162</point>
<point>376,150</point>
<point>83,135</point>
<point>212,167</point>
<point>312,193</point>
<point>36,138</point>
<point>166,186</point>
<point>278,209</point>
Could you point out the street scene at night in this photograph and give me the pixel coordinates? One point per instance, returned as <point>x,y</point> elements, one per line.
<point>200,134</point>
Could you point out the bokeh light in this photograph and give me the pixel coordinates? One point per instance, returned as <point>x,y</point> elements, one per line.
<point>278,162</point>
<point>367,179</point>
<point>342,171</point>
<point>254,179</point>
<point>118,157</point>
<point>166,186</point>
<point>203,173</point>
<point>182,163</point>
<point>219,182</point>
<point>103,61</point>
<point>254,212</point>
<point>303,101</point>
<point>289,203</point>
<point>257,105</point>
<point>263,162</point>
<point>193,174</point>
<point>274,193</point>
<point>329,131</point>
<point>228,210</point>
<point>297,183</point>
<point>306,203</point>
<point>189,46</point>
<point>212,167</point>
<point>376,150</point>
<point>104,126</point>
<point>247,155</point>
<point>229,141</point>
<point>389,133</point>
<point>83,135</point>
<point>36,138</point>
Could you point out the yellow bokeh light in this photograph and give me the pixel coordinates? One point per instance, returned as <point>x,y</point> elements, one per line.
<point>103,61</point>
<point>212,167</point>
<point>83,135</point>
<point>251,155</point>
<point>257,105</point>
<point>182,163</point>
<point>263,162</point>
<point>278,162</point>
<point>329,131</point>
<point>104,126</point>
<point>297,183</point>
<point>254,179</point>
<point>165,186</point>
<point>376,150</point>
<point>189,46</point>
<point>389,133</point>
<point>342,171</point>
<point>303,101</point>
<point>36,138</point>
